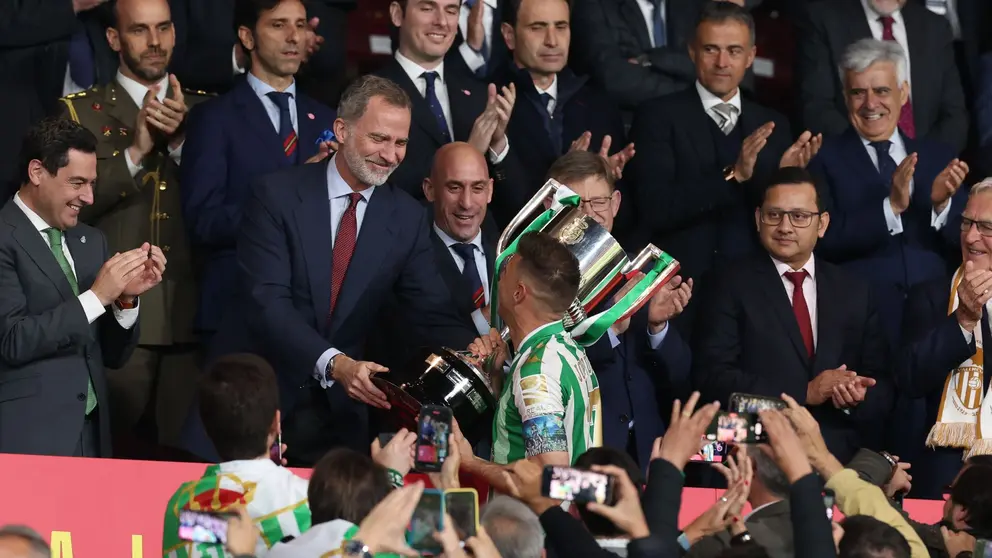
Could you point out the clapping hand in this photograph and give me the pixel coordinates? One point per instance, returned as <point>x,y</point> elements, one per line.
<point>947,183</point>
<point>151,273</point>
<point>802,151</point>
<point>617,161</point>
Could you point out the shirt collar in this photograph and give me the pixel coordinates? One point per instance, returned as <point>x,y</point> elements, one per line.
<point>414,70</point>
<point>808,267</point>
<point>494,4</point>
<point>137,90</point>
<point>544,331</point>
<point>262,89</point>
<point>872,15</point>
<point>759,508</point>
<point>35,219</point>
<point>448,241</point>
<point>710,100</point>
<point>895,138</point>
<point>551,90</point>
<point>336,185</point>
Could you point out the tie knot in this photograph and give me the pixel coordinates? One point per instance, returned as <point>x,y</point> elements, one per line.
<point>353,199</point>
<point>465,250</point>
<point>281,99</point>
<point>54,236</point>
<point>881,146</point>
<point>429,77</point>
<point>887,22</point>
<point>725,109</point>
<point>797,277</point>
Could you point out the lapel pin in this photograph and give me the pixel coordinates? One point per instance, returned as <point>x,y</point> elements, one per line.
<point>97,107</point>
<point>106,130</point>
<point>311,116</point>
<point>124,132</point>
<point>466,92</point>
<point>82,239</point>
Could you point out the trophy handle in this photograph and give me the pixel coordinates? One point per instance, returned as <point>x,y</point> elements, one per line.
<point>526,214</point>
<point>648,255</point>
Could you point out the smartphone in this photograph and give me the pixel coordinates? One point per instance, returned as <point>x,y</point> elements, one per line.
<point>203,527</point>
<point>576,485</point>
<point>747,403</point>
<point>427,519</point>
<point>433,428</point>
<point>736,428</point>
<point>897,499</point>
<point>828,503</point>
<point>711,452</point>
<point>275,452</point>
<point>385,438</point>
<point>983,549</point>
<point>462,506</point>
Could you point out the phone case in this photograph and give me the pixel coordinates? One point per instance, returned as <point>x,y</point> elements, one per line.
<point>475,496</point>
<point>431,546</point>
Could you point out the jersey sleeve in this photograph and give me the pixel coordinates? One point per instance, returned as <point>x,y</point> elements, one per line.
<point>540,401</point>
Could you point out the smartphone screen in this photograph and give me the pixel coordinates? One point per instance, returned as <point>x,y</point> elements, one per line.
<point>386,438</point>
<point>712,452</point>
<point>462,506</point>
<point>426,520</point>
<point>275,452</point>
<point>432,437</point>
<point>747,403</point>
<point>736,428</point>
<point>203,527</point>
<point>565,483</point>
<point>828,503</point>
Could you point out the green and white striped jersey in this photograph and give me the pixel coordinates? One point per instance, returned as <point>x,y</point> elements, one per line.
<point>551,401</point>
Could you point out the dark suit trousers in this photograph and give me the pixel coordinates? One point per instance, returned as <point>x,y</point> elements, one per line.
<point>89,438</point>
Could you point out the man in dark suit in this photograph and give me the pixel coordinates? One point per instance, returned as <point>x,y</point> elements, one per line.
<point>705,153</point>
<point>936,110</point>
<point>315,280</point>
<point>556,106</point>
<point>641,363</point>
<point>479,46</point>
<point>945,324</point>
<point>449,104</point>
<point>59,281</point>
<point>264,124</point>
<point>786,321</point>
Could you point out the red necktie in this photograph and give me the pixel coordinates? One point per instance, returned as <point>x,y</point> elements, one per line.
<point>800,309</point>
<point>906,123</point>
<point>344,247</point>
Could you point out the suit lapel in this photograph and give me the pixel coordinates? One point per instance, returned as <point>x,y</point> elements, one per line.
<point>120,106</point>
<point>634,18</point>
<point>856,154</point>
<point>919,53</point>
<point>310,129</point>
<point>829,326</point>
<point>313,218</point>
<point>254,113</point>
<point>778,302</point>
<point>699,125</point>
<point>490,237</point>
<point>450,274</point>
<point>421,113</point>
<point>463,104</point>
<point>85,257</point>
<point>37,249</point>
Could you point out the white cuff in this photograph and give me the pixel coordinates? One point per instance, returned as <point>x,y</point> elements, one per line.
<point>234,61</point>
<point>177,154</point>
<point>938,220</point>
<point>131,167</point>
<point>614,340</point>
<point>319,370</point>
<point>481,325</point>
<point>126,317</point>
<point>474,60</point>
<point>497,158</point>
<point>892,221</point>
<point>656,339</point>
<point>91,306</point>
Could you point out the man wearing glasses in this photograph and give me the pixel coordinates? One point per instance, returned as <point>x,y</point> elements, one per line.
<point>943,361</point>
<point>786,321</point>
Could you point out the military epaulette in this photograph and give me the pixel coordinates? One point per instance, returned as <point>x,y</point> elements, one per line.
<point>199,92</point>
<point>76,95</point>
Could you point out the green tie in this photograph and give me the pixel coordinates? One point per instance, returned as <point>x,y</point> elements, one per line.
<point>55,239</point>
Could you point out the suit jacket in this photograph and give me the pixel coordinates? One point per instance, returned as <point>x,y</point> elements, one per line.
<point>686,207</point>
<point>499,54</point>
<point>285,267</point>
<point>771,528</point>
<point>858,237</point>
<point>639,383</point>
<point>49,347</point>
<point>939,111</point>
<point>747,340</point>
<point>145,208</point>
<point>579,108</point>
<point>230,141</point>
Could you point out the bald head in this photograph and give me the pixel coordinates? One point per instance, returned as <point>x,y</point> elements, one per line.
<point>460,189</point>
<point>144,37</point>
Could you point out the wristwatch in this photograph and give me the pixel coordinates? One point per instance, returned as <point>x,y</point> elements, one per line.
<point>742,538</point>
<point>329,370</point>
<point>356,548</point>
<point>729,173</point>
<point>892,462</point>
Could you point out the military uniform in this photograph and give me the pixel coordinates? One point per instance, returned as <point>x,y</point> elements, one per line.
<point>130,211</point>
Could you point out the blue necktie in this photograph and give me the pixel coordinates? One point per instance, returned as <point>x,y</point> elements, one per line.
<point>481,72</point>
<point>470,272</point>
<point>886,165</point>
<point>546,102</point>
<point>658,17</point>
<point>82,63</point>
<point>286,131</point>
<point>435,105</point>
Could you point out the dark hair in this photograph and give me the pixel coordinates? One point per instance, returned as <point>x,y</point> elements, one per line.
<point>248,12</point>
<point>39,548</point>
<point>576,166</point>
<point>793,175</point>
<point>554,269</point>
<point>867,537</point>
<point>239,398</point>
<point>50,141</point>
<point>598,525</point>
<point>511,9</point>
<point>346,485</point>
<point>722,12</point>
<point>973,492</point>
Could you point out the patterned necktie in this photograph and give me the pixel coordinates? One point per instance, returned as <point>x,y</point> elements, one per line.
<point>658,23</point>
<point>435,105</point>
<point>726,111</point>
<point>55,242</point>
<point>906,123</point>
<point>286,131</point>
<point>469,4</point>
<point>470,272</point>
<point>344,247</point>
<point>886,164</point>
<point>800,310</point>
<point>82,63</point>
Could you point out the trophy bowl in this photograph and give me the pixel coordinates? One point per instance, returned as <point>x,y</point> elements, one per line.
<point>441,376</point>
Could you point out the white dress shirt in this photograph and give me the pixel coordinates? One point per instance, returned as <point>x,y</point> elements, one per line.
<point>898,152</point>
<point>710,100</point>
<point>337,195</point>
<point>137,92</point>
<point>647,10</point>
<point>481,324</point>
<point>809,288</point>
<point>475,60</point>
<point>89,301</point>
<point>552,90</point>
<point>415,72</point>
<point>262,89</point>
<point>898,33</point>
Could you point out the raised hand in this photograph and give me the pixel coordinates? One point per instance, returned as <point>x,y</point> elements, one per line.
<point>476,35</point>
<point>398,453</point>
<point>167,115</point>
<point>899,191</point>
<point>117,272</point>
<point>752,146</point>
<point>619,159</point>
<point>974,290</point>
<point>685,430</point>
<point>502,105</point>
<point>802,150</point>
<point>947,183</point>
<point>668,303</point>
<point>786,447</point>
<point>384,529</point>
<point>151,274</point>
<point>313,41</point>
<point>143,142</point>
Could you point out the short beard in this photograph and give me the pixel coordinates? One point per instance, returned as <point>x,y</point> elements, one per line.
<point>356,164</point>
<point>134,64</point>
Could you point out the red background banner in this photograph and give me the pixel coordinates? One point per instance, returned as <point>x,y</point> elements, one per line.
<point>93,508</point>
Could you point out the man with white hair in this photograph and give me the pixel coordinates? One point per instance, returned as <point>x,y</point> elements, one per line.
<point>947,320</point>
<point>892,199</point>
<point>935,107</point>
<point>514,529</point>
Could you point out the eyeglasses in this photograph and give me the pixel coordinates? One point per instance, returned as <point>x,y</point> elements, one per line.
<point>799,219</point>
<point>601,203</point>
<point>984,227</point>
